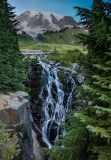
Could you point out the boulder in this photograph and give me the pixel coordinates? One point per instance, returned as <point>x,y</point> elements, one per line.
<point>80,79</point>
<point>15,110</point>
<point>75,67</point>
<point>15,114</point>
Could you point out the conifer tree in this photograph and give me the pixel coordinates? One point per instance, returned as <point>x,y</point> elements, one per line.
<point>73,144</point>
<point>97,88</point>
<point>12,69</point>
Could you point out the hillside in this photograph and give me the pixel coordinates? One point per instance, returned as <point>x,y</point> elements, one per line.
<point>64,37</point>
<point>61,38</point>
<point>63,51</point>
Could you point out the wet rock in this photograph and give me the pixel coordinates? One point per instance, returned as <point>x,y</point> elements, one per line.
<point>57,64</point>
<point>53,131</point>
<point>44,93</point>
<point>64,69</point>
<point>80,79</point>
<point>75,67</point>
<point>54,91</point>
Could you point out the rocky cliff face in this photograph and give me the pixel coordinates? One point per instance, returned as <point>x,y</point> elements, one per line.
<point>34,22</point>
<point>15,113</point>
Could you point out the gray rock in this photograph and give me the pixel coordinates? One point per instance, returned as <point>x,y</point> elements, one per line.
<point>80,78</point>
<point>57,64</point>
<point>64,68</point>
<point>72,42</point>
<point>37,148</point>
<point>21,94</point>
<point>15,113</point>
<point>75,67</point>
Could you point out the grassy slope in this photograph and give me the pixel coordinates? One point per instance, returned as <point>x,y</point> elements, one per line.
<point>63,37</point>
<point>51,41</point>
<point>59,42</point>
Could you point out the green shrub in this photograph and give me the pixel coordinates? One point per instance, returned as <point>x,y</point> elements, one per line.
<point>8,146</point>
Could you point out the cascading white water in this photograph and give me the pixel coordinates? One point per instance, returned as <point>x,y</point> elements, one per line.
<point>53,109</point>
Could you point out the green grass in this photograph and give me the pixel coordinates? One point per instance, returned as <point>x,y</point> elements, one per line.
<point>67,57</point>
<point>63,37</point>
<point>50,41</point>
<point>25,41</point>
<point>59,42</point>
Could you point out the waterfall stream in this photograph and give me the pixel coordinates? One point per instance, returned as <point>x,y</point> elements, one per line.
<point>56,102</point>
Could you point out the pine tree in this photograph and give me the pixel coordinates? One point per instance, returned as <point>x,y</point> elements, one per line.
<point>98,21</point>
<point>73,144</point>
<point>97,88</point>
<point>97,117</point>
<point>12,69</point>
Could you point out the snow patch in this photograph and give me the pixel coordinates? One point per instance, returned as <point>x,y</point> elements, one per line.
<point>46,15</point>
<point>54,27</point>
<point>30,32</point>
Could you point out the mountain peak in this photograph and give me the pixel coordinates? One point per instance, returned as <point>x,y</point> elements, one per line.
<point>33,22</point>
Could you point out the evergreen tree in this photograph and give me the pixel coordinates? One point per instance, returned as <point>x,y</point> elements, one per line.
<point>96,117</point>
<point>98,21</point>
<point>12,69</point>
<point>73,144</point>
<point>92,122</point>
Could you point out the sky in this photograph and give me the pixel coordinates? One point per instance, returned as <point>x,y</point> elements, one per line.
<point>61,7</point>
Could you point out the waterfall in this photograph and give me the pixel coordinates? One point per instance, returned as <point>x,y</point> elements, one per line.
<point>51,100</point>
<point>56,102</point>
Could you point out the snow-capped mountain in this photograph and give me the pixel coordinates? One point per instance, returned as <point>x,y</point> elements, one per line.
<point>33,22</point>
